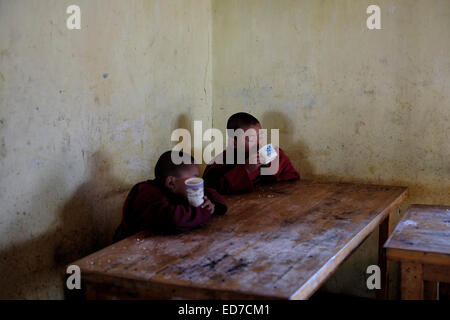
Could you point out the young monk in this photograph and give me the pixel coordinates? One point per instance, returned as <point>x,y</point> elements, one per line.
<point>238,178</point>
<point>161,206</point>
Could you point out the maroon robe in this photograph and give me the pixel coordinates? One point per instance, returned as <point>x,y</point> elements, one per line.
<point>234,178</point>
<point>150,207</point>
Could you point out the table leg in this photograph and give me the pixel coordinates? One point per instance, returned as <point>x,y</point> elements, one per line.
<point>444,291</point>
<point>412,283</point>
<point>384,232</point>
<point>431,290</point>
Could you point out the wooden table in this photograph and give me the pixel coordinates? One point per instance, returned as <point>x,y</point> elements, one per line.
<point>281,242</point>
<point>421,242</point>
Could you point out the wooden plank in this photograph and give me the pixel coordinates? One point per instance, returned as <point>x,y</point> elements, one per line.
<point>417,256</point>
<point>421,241</point>
<point>411,281</point>
<point>105,287</point>
<point>430,290</point>
<point>282,241</point>
<point>315,282</point>
<point>423,228</point>
<point>436,273</point>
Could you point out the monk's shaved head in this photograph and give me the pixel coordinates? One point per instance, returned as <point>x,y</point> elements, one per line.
<point>165,166</point>
<point>241,120</point>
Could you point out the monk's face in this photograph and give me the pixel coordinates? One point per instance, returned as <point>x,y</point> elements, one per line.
<point>176,184</point>
<point>250,140</point>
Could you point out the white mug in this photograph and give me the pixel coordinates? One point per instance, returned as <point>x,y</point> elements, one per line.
<point>195,192</point>
<point>267,154</point>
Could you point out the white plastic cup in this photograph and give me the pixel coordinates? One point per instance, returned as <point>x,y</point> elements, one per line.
<point>267,154</point>
<point>195,191</point>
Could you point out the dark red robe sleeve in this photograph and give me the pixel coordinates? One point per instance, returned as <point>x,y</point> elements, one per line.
<point>228,178</point>
<point>149,208</point>
<point>162,215</point>
<point>286,171</point>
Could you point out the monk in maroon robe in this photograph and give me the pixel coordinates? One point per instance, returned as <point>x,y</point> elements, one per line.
<point>161,206</point>
<point>239,178</point>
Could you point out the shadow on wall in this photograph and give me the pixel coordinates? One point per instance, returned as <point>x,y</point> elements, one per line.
<point>293,147</point>
<point>87,221</point>
<point>184,121</point>
<point>89,218</point>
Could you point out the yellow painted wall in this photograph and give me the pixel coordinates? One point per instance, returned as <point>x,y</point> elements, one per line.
<point>83,116</point>
<point>352,104</point>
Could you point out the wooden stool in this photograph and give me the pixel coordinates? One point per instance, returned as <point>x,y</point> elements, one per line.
<point>421,243</point>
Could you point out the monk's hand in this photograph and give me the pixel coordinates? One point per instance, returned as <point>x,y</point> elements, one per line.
<point>208,205</point>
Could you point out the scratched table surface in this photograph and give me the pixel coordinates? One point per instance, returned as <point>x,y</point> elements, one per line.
<point>280,242</point>
<point>423,228</point>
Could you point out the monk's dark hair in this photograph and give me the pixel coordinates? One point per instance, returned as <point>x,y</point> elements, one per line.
<point>165,166</point>
<point>241,120</point>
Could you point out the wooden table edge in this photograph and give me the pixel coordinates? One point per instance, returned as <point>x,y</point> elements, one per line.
<point>98,278</point>
<point>425,257</point>
<point>311,285</point>
<point>314,283</point>
<point>420,272</point>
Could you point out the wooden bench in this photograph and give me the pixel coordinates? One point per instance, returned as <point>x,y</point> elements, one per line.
<point>421,243</point>
<point>279,242</point>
